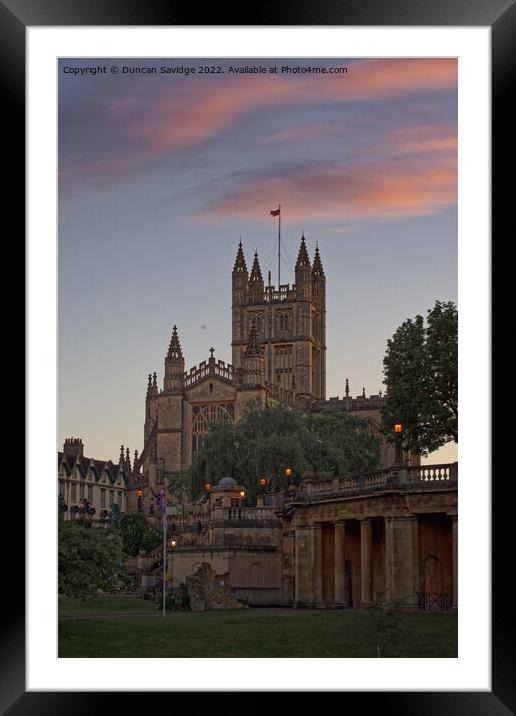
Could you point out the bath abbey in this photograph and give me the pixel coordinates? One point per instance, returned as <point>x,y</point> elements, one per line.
<point>349,541</point>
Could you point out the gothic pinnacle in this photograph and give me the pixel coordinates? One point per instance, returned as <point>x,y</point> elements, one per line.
<point>256,273</point>
<point>240,265</point>
<point>253,346</point>
<point>302,257</point>
<point>317,268</point>
<point>174,349</point>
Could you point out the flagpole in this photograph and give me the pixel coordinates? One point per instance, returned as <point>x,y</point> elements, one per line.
<point>279,246</point>
<point>164,508</point>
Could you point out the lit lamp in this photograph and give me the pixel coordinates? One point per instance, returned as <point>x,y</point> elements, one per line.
<point>262,482</point>
<point>173,543</point>
<point>207,486</point>
<point>242,494</point>
<point>398,451</point>
<point>140,499</point>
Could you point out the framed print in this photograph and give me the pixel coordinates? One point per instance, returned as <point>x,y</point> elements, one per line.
<point>119,121</point>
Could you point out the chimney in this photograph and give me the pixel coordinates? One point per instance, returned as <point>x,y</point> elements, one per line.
<point>73,446</point>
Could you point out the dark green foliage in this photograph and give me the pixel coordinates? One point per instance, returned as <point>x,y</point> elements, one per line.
<point>88,559</point>
<point>421,375</point>
<point>268,439</point>
<point>137,534</point>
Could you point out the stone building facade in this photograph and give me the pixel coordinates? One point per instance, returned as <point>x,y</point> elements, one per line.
<point>278,353</point>
<point>385,537</point>
<point>241,546</point>
<point>85,481</point>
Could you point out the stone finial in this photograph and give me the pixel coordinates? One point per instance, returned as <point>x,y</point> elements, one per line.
<point>212,351</point>
<point>154,381</point>
<point>121,460</point>
<point>363,392</point>
<point>347,388</point>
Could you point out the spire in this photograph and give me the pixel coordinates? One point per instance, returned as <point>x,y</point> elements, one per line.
<point>174,349</point>
<point>128,460</point>
<point>121,459</point>
<point>302,257</point>
<point>256,273</point>
<point>317,268</point>
<point>240,266</point>
<point>253,346</point>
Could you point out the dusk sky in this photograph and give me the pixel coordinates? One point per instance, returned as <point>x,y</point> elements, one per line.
<point>161,174</point>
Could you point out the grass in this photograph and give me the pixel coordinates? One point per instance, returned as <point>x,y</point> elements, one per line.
<point>128,627</point>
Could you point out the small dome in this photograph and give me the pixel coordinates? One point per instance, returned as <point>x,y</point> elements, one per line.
<point>227,482</point>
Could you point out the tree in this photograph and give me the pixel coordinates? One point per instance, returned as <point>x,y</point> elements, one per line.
<point>269,438</point>
<point>420,372</point>
<point>88,559</point>
<point>137,534</point>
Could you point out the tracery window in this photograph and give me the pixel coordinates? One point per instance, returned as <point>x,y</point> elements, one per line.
<point>283,366</point>
<point>203,415</point>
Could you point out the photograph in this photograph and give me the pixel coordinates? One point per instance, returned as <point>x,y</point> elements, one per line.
<point>257,357</point>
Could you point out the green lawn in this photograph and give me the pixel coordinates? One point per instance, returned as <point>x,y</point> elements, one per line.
<point>127,627</point>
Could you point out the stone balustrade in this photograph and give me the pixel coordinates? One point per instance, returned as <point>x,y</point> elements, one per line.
<point>219,368</point>
<point>431,476</point>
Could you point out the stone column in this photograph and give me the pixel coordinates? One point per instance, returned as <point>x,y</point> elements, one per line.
<point>302,575</point>
<point>455,554</point>
<point>340,562</point>
<point>401,560</point>
<point>316,563</point>
<point>366,570</point>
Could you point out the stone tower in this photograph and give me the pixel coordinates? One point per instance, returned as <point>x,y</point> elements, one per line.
<point>290,323</point>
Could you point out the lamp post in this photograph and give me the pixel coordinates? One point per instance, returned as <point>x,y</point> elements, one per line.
<point>318,444</point>
<point>173,545</point>
<point>162,461</point>
<point>398,450</point>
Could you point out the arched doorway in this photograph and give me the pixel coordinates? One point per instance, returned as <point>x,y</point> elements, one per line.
<point>433,575</point>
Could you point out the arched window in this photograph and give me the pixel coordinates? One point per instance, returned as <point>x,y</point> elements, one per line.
<point>203,415</point>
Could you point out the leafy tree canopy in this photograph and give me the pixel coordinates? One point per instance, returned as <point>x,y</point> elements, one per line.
<point>421,375</point>
<point>88,559</point>
<point>269,438</point>
<point>137,534</point>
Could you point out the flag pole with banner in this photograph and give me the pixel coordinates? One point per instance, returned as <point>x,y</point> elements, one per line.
<point>162,497</point>
<point>277,212</point>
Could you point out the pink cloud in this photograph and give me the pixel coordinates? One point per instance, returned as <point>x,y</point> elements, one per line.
<point>190,118</point>
<point>378,190</point>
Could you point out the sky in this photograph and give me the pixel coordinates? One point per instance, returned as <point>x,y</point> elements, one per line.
<point>162,173</point>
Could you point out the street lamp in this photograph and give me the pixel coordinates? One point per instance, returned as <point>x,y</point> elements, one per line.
<point>207,486</point>
<point>398,450</point>
<point>140,499</point>
<point>262,484</point>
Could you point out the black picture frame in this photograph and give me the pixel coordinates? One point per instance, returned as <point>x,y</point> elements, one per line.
<point>500,15</point>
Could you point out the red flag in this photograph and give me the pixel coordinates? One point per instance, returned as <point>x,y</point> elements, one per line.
<point>275,212</point>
